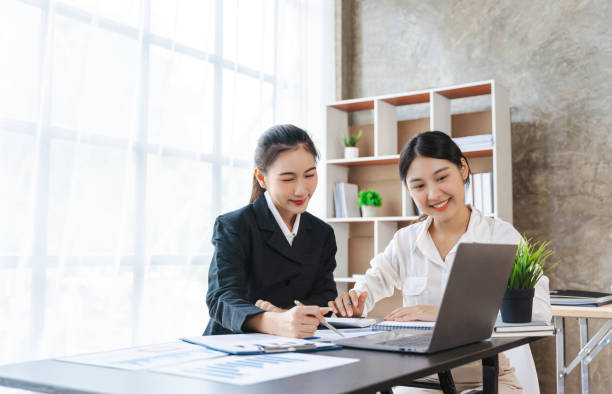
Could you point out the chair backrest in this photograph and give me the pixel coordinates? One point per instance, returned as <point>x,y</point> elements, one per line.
<point>524,368</point>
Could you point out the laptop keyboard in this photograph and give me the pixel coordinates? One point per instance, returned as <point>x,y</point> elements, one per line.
<point>413,341</point>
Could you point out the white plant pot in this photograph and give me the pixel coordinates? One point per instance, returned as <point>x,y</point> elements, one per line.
<point>368,211</point>
<point>351,152</point>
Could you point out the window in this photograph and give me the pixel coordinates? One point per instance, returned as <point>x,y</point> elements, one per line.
<point>123,123</point>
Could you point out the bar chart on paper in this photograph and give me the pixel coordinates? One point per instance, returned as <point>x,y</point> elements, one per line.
<point>243,370</point>
<point>144,357</point>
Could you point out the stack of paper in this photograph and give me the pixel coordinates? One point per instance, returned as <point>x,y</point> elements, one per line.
<point>185,359</point>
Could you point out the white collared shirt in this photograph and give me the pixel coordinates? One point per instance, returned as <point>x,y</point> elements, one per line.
<point>411,262</point>
<point>289,234</point>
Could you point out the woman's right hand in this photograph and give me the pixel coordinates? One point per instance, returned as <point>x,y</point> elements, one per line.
<point>349,304</point>
<point>297,322</point>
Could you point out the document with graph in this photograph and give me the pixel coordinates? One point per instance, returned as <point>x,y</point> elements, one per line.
<point>145,357</point>
<point>242,370</point>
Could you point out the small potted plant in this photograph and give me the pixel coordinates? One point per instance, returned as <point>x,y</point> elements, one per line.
<point>350,150</point>
<point>529,266</point>
<point>369,200</point>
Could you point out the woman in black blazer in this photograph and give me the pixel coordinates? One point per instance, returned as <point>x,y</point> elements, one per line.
<point>272,252</point>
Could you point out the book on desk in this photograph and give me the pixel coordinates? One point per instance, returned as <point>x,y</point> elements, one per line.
<point>579,298</point>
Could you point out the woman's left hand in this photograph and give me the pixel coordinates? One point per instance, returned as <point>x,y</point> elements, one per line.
<point>411,313</point>
<point>268,306</point>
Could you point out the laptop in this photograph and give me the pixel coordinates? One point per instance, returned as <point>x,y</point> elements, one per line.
<point>469,307</point>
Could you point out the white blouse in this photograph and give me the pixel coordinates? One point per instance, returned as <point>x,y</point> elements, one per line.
<point>411,262</point>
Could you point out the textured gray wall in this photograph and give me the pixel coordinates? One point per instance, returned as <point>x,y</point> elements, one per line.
<point>556,59</point>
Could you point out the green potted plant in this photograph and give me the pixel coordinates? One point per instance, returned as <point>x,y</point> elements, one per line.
<point>529,266</point>
<point>350,150</point>
<point>369,200</point>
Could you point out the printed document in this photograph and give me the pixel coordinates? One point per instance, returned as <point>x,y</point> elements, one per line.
<point>242,370</point>
<point>146,357</point>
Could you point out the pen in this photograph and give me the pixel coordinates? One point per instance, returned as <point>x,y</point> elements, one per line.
<point>326,324</point>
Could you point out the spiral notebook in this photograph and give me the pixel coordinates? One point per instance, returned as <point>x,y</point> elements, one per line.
<point>403,325</point>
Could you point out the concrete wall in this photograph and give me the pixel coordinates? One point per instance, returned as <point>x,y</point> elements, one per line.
<point>556,59</point>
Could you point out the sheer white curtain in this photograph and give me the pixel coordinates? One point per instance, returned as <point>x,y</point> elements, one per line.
<point>126,127</point>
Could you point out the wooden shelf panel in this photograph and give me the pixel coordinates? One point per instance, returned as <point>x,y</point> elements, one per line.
<point>394,159</point>
<point>353,106</point>
<point>478,152</point>
<point>416,97</point>
<point>408,100</point>
<point>465,91</point>
<point>371,160</point>
<point>374,219</point>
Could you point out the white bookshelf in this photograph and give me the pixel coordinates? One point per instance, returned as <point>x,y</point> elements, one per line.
<point>385,134</point>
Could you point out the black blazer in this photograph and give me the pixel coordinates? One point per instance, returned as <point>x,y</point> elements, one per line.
<point>253,260</point>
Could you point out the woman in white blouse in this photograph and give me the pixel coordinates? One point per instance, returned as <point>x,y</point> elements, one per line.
<point>419,257</point>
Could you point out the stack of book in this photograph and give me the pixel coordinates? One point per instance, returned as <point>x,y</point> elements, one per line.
<point>346,200</point>
<point>531,329</point>
<point>474,142</point>
<point>579,298</point>
<point>479,192</point>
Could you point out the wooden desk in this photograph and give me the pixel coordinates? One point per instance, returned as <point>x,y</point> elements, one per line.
<point>588,348</point>
<point>375,371</point>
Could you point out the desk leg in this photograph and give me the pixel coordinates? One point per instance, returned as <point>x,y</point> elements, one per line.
<point>584,367</point>
<point>560,350</point>
<point>447,383</point>
<point>490,373</point>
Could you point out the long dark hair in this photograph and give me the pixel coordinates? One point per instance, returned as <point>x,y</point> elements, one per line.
<point>434,144</point>
<point>275,140</point>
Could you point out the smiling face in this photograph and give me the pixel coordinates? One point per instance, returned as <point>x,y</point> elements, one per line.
<point>436,186</point>
<point>291,181</point>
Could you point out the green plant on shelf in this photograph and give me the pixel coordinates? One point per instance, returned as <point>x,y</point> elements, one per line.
<point>530,263</point>
<point>352,140</point>
<point>370,198</point>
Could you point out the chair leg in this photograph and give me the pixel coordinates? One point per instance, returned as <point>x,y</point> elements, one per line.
<point>490,372</point>
<point>447,383</point>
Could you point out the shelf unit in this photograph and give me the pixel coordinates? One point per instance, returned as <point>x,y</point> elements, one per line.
<point>388,122</point>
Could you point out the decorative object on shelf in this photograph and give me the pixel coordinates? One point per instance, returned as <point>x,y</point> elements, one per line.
<point>350,150</point>
<point>369,200</point>
<point>529,266</point>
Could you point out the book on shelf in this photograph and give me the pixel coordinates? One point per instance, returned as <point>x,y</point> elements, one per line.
<point>474,141</point>
<point>411,209</point>
<point>469,191</point>
<point>482,195</point>
<point>346,198</point>
<point>579,298</point>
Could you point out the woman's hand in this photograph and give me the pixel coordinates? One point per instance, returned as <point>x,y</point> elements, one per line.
<point>268,306</point>
<point>349,304</point>
<point>297,322</point>
<point>411,313</point>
